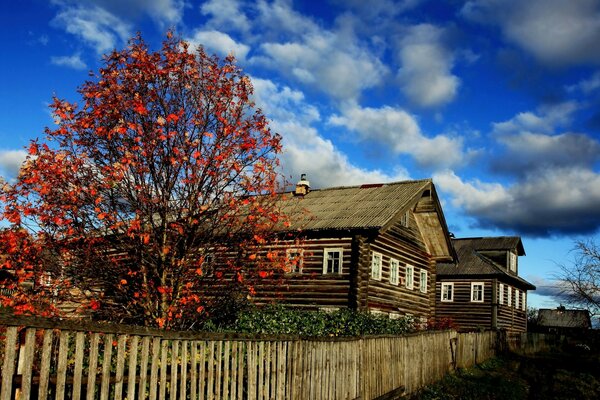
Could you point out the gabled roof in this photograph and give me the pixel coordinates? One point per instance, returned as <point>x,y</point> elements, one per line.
<point>472,263</point>
<point>562,318</point>
<point>374,207</point>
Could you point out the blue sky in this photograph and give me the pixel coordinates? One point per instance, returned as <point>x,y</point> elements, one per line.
<point>496,100</point>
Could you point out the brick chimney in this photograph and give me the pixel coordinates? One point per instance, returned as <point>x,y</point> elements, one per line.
<point>302,187</point>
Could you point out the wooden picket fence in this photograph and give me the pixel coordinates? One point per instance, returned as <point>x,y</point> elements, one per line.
<point>47,359</point>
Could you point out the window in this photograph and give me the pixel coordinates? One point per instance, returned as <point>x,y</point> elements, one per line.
<point>294,258</point>
<point>501,293</point>
<point>332,261</point>
<point>509,298</point>
<point>376,262</point>
<point>512,261</point>
<point>409,275</point>
<point>524,302</point>
<point>447,292</point>
<point>394,273</point>
<point>423,281</point>
<point>477,292</point>
<point>517,298</point>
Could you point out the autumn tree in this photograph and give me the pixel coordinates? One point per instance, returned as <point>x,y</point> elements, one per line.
<point>159,186</point>
<point>581,278</point>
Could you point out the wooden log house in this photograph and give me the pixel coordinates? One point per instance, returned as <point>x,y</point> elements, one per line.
<point>483,289</point>
<point>372,247</point>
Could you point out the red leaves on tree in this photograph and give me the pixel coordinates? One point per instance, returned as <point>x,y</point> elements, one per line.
<point>165,174</point>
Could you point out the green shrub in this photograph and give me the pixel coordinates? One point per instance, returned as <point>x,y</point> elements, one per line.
<point>279,320</point>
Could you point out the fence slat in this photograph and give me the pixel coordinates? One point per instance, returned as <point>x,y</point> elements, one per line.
<point>45,364</point>
<point>226,363</point>
<point>8,366</point>
<point>119,373</point>
<point>93,364</point>
<point>144,368</point>
<point>61,369</point>
<point>132,367</point>
<point>218,368</point>
<point>193,370</point>
<point>26,367</point>
<point>210,390</point>
<point>106,361</point>
<point>184,370</point>
<point>202,372</point>
<point>154,368</point>
<point>164,350</point>
<point>174,363</point>
<point>79,349</point>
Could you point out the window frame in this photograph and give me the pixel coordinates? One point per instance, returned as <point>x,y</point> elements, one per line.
<point>509,297</point>
<point>394,271</point>
<point>423,283</point>
<point>326,252</point>
<point>517,298</point>
<point>501,293</point>
<point>409,278</point>
<point>523,300</point>
<point>512,262</point>
<point>297,267</point>
<point>376,273</point>
<point>451,298</point>
<point>473,285</point>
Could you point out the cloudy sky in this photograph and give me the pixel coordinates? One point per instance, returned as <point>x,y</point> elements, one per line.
<point>496,100</point>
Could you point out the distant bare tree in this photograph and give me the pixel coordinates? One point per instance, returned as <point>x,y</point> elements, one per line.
<point>581,278</point>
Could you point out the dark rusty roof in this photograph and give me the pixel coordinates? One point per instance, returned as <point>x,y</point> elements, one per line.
<point>563,318</point>
<point>472,263</point>
<point>352,207</point>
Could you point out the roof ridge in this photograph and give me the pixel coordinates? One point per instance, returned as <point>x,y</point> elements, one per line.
<point>408,181</point>
<point>488,237</point>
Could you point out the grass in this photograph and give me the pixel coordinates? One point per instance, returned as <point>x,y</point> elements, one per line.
<point>557,375</point>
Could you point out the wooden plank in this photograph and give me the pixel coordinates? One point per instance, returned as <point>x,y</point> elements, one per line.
<point>45,364</point>
<point>234,370</point>
<point>261,370</point>
<point>164,350</point>
<point>93,366</point>
<point>211,371</point>
<point>174,368</point>
<point>226,362</point>
<point>202,373</point>
<point>106,361</point>
<point>282,375</point>
<point>119,372</point>
<point>252,371</point>
<point>154,368</point>
<point>144,368</point>
<point>218,369</point>
<point>241,368</point>
<point>184,370</point>
<point>61,368</point>
<point>29,354</point>
<point>132,366</point>
<point>8,365</point>
<point>268,376</point>
<point>77,372</point>
<point>193,370</point>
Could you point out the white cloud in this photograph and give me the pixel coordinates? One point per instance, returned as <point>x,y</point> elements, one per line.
<point>586,86</point>
<point>219,43</point>
<point>400,132</point>
<point>556,32</point>
<point>548,202</point>
<point>425,74</point>
<point>225,13</point>
<point>545,120</point>
<point>73,61</point>
<point>305,150</point>
<point>10,162</point>
<point>530,142</point>
<point>95,26</point>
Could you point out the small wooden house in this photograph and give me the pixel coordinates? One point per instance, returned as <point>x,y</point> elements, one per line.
<point>372,247</point>
<point>563,321</point>
<point>483,289</point>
